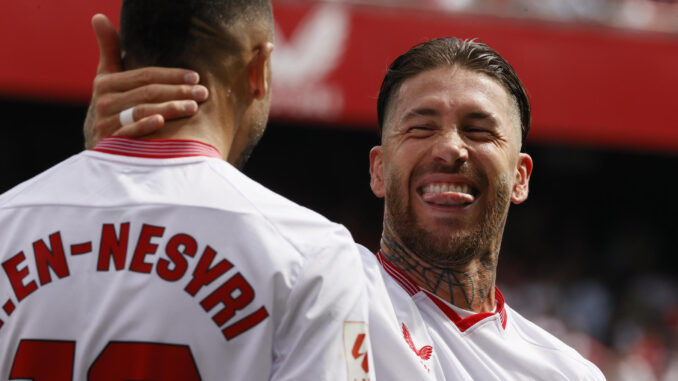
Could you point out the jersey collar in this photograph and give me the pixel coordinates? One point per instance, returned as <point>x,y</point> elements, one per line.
<point>155,148</point>
<point>462,323</point>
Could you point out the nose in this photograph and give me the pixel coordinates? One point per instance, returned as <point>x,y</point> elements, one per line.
<point>450,148</point>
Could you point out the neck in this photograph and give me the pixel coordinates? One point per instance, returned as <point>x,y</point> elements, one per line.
<point>213,124</point>
<point>469,286</point>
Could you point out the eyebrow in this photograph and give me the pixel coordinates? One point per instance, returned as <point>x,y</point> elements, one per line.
<point>481,116</point>
<point>475,115</point>
<point>420,112</point>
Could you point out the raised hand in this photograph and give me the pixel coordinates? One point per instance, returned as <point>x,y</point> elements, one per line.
<point>155,93</point>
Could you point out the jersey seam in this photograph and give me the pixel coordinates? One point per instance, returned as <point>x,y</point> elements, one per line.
<point>263,215</point>
<point>49,173</point>
<point>148,161</point>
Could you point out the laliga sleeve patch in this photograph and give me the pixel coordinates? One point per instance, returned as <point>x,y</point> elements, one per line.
<point>356,345</point>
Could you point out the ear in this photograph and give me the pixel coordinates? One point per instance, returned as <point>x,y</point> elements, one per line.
<point>258,71</point>
<point>377,171</point>
<point>523,172</point>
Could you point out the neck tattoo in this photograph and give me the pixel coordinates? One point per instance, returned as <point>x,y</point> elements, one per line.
<point>469,287</point>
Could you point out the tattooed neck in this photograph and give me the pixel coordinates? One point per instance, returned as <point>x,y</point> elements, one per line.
<point>469,286</point>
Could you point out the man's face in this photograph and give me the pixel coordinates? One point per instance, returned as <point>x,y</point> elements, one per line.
<point>450,164</point>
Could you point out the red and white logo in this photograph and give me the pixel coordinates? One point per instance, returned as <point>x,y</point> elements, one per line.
<point>356,345</point>
<point>424,352</point>
<point>304,59</point>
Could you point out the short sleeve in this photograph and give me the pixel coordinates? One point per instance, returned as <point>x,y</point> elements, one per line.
<point>323,334</point>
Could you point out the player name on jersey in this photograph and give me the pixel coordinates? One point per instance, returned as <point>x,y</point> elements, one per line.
<point>51,256</point>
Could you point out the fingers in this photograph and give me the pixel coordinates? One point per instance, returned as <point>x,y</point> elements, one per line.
<point>169,110</point>
<point>109,44</point>
<point>141,127</point>
<point>143,115</point>
<point>113,103</point>
<point>131,79</point>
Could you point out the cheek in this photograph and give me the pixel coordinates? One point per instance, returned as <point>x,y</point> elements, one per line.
<point>397,168</point>
<point>495,160</point>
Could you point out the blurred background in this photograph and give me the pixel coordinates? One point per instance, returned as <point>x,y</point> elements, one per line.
<point>590,256</point>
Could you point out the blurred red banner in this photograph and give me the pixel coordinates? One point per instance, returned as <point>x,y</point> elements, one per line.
<point>588,85</point>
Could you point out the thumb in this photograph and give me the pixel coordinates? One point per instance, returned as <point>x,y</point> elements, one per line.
<point>109,44</point>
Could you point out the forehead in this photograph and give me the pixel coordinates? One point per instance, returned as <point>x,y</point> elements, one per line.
<point>452,90</point>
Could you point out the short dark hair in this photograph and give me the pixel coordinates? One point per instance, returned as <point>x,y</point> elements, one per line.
<point>180,33</point>
<point>449,51</point>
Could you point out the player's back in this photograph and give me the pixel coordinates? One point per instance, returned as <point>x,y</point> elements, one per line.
<point>136,259</point>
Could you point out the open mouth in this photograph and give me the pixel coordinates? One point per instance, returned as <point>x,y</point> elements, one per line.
<point>448,194</point>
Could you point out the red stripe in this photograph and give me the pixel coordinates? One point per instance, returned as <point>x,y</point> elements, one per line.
<point>156,148</point>
<point>501,310</point>
<point>466,323</point>
<point>405,282</point>
<point>463,324</point>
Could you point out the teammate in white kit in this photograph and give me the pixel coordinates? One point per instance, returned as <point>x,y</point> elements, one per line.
<point>157,259</point>
<point>453,117</point>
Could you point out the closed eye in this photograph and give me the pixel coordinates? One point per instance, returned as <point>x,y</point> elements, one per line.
<point>479,131</point>
<point>420,131</point>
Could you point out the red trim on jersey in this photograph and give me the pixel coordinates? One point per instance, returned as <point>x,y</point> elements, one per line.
<point>463,324</point>
<point>156,148</point>
<point>466,323</point>
<point>408,284</point>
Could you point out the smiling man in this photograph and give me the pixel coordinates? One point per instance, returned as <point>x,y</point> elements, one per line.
<point>448,167</point>
<point>453,118</point>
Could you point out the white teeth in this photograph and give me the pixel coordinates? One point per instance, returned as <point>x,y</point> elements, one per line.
<point>445,188</point>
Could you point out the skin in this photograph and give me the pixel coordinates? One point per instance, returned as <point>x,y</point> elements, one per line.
<point>449,126</point>
<point>232,119</point>
<point>157,93</point>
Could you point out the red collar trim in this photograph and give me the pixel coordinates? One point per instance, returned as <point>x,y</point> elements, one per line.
<point>155,148</point>
<point>466,323</point>
<point>404,280</point>
<point>463,324</point>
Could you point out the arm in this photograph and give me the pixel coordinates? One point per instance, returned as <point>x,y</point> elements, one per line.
<point>156,93</point>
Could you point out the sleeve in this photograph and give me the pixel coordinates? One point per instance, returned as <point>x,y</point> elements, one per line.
<point>323,335</point>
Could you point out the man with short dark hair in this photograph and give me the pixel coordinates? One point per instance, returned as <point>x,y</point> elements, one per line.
<point>453,118</point>
<point>453,121</point>
<point>155,258</point>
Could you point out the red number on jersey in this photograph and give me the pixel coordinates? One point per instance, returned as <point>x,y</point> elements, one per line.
<point>51,360</point>
<point>121,361</point>
<point>43,360</point>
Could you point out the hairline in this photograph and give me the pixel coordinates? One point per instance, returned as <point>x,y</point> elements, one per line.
<point>394,96</point>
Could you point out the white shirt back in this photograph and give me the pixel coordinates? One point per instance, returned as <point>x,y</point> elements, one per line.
<point>159,260</point>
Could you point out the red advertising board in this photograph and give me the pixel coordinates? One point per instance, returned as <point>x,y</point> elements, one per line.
<point>588,85</point>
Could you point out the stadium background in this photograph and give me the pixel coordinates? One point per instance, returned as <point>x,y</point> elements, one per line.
<point>590,256</point>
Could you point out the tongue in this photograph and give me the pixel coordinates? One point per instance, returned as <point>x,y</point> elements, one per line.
<point>448,198</point>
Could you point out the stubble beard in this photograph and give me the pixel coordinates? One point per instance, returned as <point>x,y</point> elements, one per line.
<point>463,244</point>
<point>254,135</point>
<point>253,140</point>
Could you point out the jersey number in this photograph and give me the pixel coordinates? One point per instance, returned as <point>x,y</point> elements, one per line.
<point>43,360</point>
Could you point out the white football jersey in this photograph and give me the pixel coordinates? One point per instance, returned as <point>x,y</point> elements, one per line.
<point>157,260</point>
<point>418,336</point>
